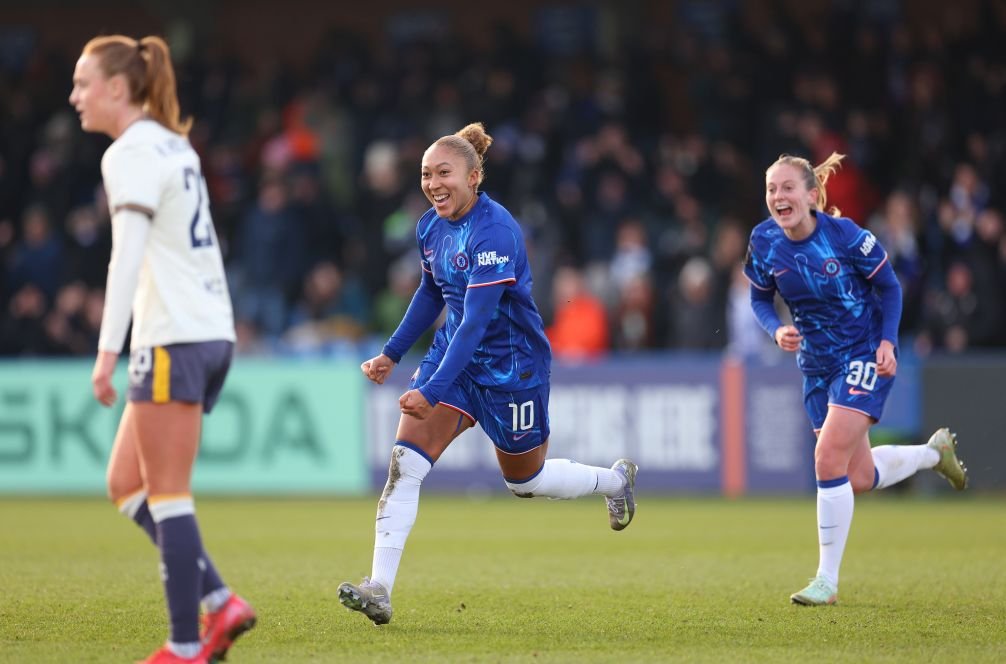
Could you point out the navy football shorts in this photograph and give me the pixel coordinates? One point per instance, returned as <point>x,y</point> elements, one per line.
<point>190,372</point>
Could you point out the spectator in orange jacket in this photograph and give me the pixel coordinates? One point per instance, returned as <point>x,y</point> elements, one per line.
<point>579,329</point>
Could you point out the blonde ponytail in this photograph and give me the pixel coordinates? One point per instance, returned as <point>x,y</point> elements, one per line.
<point>146,64</point>
<point>815,177</point>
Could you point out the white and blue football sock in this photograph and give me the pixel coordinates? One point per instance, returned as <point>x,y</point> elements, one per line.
<point>895,463</point>
<point>397,511</point>
<point>835,504</point>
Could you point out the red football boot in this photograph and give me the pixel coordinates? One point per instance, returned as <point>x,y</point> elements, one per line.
<point>224,625</point>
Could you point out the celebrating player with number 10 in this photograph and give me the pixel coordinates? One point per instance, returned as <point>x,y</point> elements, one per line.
<point>846,305</point>
<point>167,273</point>
<point>489,363</point>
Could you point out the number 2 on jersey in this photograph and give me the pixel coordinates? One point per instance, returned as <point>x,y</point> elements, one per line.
<point>200,234</point>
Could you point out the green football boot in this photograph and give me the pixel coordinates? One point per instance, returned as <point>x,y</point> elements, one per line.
<point>949,465</point>
<point>820,592</point>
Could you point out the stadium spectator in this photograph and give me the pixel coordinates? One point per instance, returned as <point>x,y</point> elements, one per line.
<point>954,320</point>
<point>846,304</point>
<point>23,329</point>
<point>332,308</point>
<point>270,255</point>
<point>66,327</point>
<point>579,329</point>
<point>183,329</point>
<point>88,245</point>
<point>37,259</point>
<point>634,322</point>
<point>489,363</point>
<point>697,313</point>
<point>897,227</point>
<point>392,303</point>
<point>918,104</point>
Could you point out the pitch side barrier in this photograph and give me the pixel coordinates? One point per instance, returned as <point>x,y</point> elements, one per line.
<point>281,427</point>
<point>694,423</point>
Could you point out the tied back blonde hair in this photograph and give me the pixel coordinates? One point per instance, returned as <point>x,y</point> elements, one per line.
<point>814,177</point>
<point>146,64</point>
<point>471,142</point>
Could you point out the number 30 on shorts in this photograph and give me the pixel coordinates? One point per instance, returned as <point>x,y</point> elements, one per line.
<point>862,374</point>
<point>523,415</point>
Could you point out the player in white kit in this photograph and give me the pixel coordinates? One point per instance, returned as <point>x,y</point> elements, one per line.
<point>166,274</point>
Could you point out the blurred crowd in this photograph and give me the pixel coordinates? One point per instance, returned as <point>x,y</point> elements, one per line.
<point>637,173</point>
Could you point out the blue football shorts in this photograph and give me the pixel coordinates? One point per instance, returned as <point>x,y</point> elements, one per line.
<point>515,420</point>
<point>854,385</point>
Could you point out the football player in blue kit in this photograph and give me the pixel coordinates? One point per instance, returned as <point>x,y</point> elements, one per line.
<point>845,301</point>
<point>489,363</point>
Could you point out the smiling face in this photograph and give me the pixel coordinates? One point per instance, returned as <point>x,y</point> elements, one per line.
<point>448,183</point>
<point>94,95</point>
<point>789,201</point>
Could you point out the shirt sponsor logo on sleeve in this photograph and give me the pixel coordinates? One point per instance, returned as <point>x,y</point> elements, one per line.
<point>868,244</point>
<point>490,258</point>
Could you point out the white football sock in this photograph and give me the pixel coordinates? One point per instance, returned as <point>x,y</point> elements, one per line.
<point>895,463</point>
<point>396,512</point>
<point>385,566</point>
<point>609,483</point>
<point>562,478</point>
<point>216,599</point>
<point>834,517</point>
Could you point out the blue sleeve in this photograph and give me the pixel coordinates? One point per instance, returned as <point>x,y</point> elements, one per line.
<point>763,305</point>
<point>480,305</point>
<point>426,305</point>
<point>887,285</point>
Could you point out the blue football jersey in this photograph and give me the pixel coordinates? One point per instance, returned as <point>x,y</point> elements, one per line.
<point>483,248</point>
<point>825,281</point>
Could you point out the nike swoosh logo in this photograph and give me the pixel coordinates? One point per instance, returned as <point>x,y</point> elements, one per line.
<point>854,392</point>
<point>827,527</point>
<point>520,436</point>
<point>624,519</point>
<point>779,273</point>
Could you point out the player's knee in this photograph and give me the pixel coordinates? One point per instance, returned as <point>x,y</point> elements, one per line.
<point>519,490</point>
<point>829,463</point>
<point>118,490</point>
<point>862,479</point>
<point>526,488</point>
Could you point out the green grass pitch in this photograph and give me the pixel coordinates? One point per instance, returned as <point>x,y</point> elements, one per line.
<point>508,580</point>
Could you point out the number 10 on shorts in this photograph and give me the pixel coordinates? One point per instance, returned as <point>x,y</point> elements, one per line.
<point>523,415</point>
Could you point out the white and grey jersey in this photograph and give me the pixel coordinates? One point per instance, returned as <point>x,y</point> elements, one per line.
<point>181,294</point>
